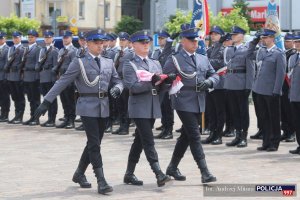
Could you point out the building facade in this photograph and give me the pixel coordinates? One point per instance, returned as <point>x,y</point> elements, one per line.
<point>60,15</point>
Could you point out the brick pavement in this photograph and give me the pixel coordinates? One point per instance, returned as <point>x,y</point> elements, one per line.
<point>38,163</point>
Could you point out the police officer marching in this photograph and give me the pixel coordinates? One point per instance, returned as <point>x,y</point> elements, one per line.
<point>238,83</point>
<point>13,70</point>
<point>47,60</point>
<point>271,63</point>
<point>67,97</point>
<point>143,107</point>
<point>4,87</point>
<point>294,76</point>
<point>30,76</point>
<point>92,74</point>
<point>197,76</point>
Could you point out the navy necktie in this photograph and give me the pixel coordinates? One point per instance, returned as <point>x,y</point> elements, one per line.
<point>97,61</point>
<point>193,59</point>
<point>146,61</point>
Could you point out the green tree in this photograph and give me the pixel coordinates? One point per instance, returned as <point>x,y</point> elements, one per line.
<point>129,24</point>
<point>173,26</point>
<point>244,10</point>
<point>14,23</point>
<point>232,19</point>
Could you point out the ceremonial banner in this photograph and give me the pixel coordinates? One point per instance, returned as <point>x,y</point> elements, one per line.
<point>200,20</point>
<point>272,22</point>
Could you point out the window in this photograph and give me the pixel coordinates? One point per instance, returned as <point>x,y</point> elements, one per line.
<point>50,9</point>
<point>54,9</point>
<point>107,11</point>
<point>17,9</point>
<point>182,4</point>
<point>81,9</point>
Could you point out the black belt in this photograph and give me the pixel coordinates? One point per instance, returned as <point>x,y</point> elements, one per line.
<point>233,71</point>
<point>192,88</point>
<point>154,92</point>
<point>29,70</point>
<point>100,95</point>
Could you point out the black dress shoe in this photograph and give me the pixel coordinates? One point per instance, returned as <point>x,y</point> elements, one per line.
<point>123,132</point>
<point>116,132</point>
<point>175,173</point>
<point>62,119</point>
<point>159,128</point>
<point>206,131</point>
<point>108,130</point>
<point>34,123</point>
<point>178,130</point>
<point>18,120</point>
<point>217,141</point>
<point>132,180</point>
<point>78,120</point>
<point>70,124</point>
<point>79,128</point>
<point>132,125</point>
<point>257,136</point>
<point>4,117</point>
<point>284,136</point>
<point>160,135</point>
<point>296,151</point>
<point>50,124</point>
<point>43,124</point>
<point>229,134</point>
<point>242,143</point>
<point>28,121</point>
<point>62,125</point>
<point>81,180</point>
<point>272,149</point>
<point>167,135</point>
<point>209,139</point>
<point>262,148</point>
<point>290,138</point>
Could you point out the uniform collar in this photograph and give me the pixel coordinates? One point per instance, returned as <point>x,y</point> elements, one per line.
<point>268,50</point>
<point>31,45</point>
<point>238,46</point>
<point>143,57</point>
<point>188,53</point>
<point>17,45</point>
<point>93,56</point>
<point>68,46</point>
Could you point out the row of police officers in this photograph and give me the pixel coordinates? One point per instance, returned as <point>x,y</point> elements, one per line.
<point>107,82</point>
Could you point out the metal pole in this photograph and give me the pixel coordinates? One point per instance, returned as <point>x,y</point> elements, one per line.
<point>104,20</point>
<point>291,15</point>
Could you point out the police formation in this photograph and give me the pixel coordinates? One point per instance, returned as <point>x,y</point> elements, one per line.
<point>102,83</point>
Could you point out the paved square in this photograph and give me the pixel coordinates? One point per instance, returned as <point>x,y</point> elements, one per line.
<point>38,163</point>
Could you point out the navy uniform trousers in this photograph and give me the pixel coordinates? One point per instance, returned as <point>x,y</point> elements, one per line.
<point>4,96</point>
<point>190,135</point>
<point>143,140</point>
<point>52,111</point>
